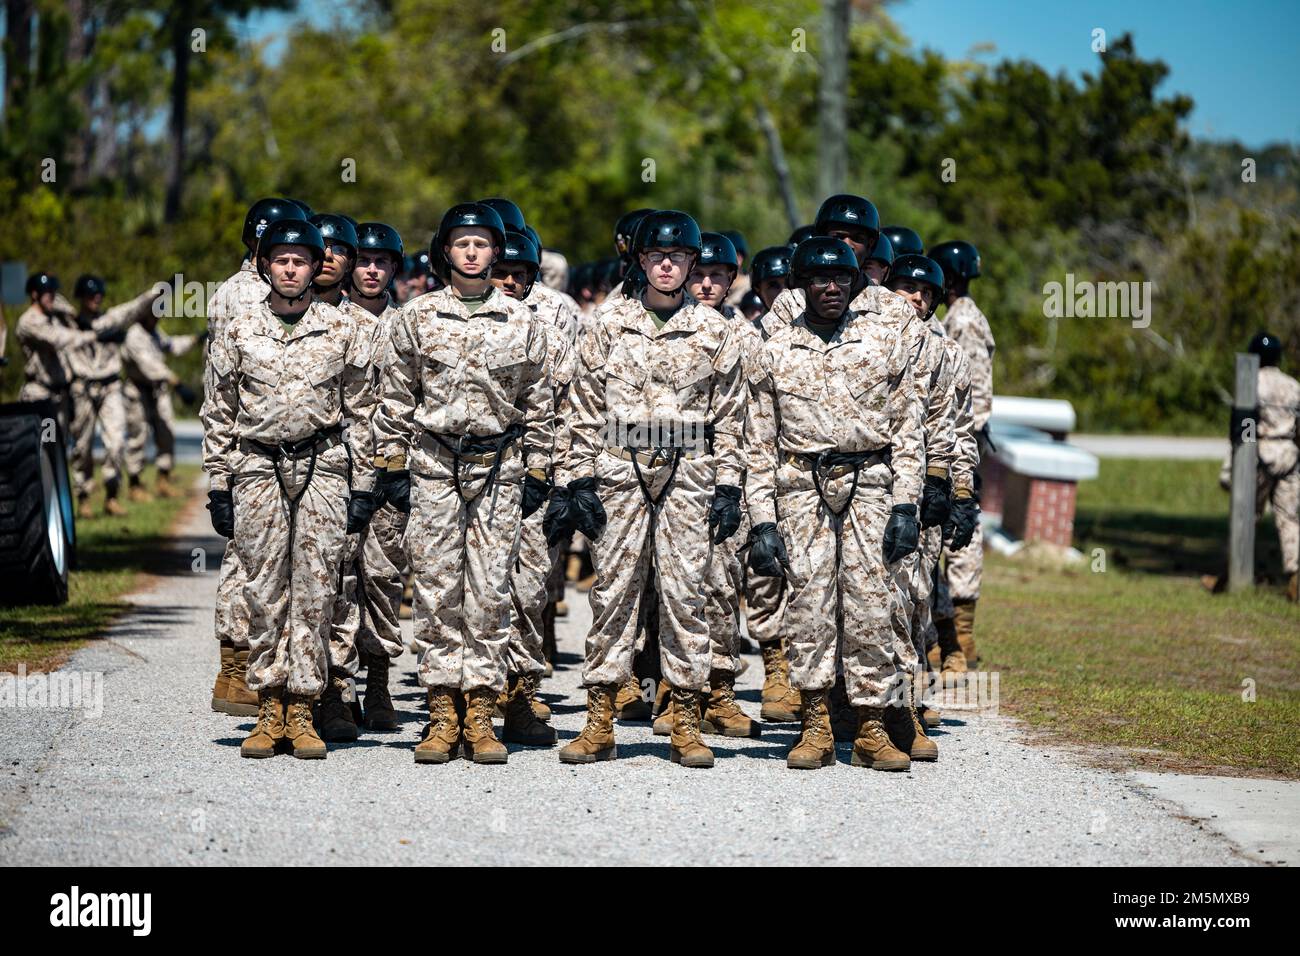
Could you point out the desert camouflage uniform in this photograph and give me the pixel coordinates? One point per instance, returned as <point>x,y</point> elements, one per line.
<point>677,383</point>
<point>96,393</point>
<point>147,395</point>
<point>968,327</point>
<point>368,605</point>
<point>273,386</point>
<point>47,339</point>
<point>454,373</point>
<point>242,292</point>
<point>855,394</point>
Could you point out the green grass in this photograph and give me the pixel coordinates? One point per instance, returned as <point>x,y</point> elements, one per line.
<point>1139,656</point>
<point>114,555</point>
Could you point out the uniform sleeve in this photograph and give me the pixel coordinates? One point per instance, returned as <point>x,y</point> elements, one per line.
<point>760,443</point>
<point>980,356</point>
<point>585,407</point>
<point>128,313</point>
<point>400,393</point>
<point>358,409</point>
<point>33,330</point>
<point>219,411</point>
<point>140,350</point>
<point>539,402</point>
<point>561,376</point>
<point>940,436</point>
<point>178,344</point>
<point>730,396</point>
<point>966,455</point>
<point>907,446</point>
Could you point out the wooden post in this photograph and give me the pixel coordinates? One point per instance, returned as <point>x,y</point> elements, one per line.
<point>1245,453</point>
<point>832,98</point>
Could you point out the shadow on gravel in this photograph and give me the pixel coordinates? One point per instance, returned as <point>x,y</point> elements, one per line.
<point>154,554</point>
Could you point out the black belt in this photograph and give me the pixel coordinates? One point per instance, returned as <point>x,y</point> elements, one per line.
<point>494,445</point>
<point>829,460</point>
<point>295,449</point>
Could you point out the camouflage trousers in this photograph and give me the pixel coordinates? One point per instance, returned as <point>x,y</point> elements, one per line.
<point>842,596</point>
<point>461,554</point>
<point>965,568</point>
<point>291,580</point>
<point>102,402</point>
<point>231,621</point>
<point>913,579</point>
<point>148,407</point>
<point>529,592</point>
<point>677,550</point>
<point>369,601</point>
<point>1284,495</point>
<point>723,585</point>
<point>36,392</point>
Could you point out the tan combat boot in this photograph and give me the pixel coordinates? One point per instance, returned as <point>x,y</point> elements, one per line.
<point>521,723</point>
<point>298,728</point>
<point>112,506</point>
<point>478,739</point>
<point>378,703</point>
<point>931,716</point>
<point>844,719</point>
<point>219,687</point>
<point>873,748</point>
<point>335,720</point>
<point>722,714</point>
<point>815,747</point>
<point>596,741</point>
<point>663,710</point>
<point>137,492</point>
<point>84,510</point>
<point>685,745</point>
<point>964,619</point>
<point>443,739</point>
<point>240,701</point>
<point>906,731</point>
<point>953,660</point>
<point>163,486</point>
<point>629,706</point>
<point>1293,588</point>
<point>780,700</point>
<point>529,684</point>
<point>269,729</point>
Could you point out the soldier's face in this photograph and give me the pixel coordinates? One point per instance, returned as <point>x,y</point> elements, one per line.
<point>91,304</point>
<point>858,239</point>
<point>291,270</point>
<point>709,284</point>
<point>511,278</point>
<point>45,300</point>
<point>372,272</point>
<point>920,295</point>
<point>337,262</point>
<point>667,268</point>
<point>470,250</point>
<point>829,301</point>
<point>875,270</point>
<point>769,289</point>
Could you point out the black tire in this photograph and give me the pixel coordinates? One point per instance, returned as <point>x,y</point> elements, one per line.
<point>36,529</point>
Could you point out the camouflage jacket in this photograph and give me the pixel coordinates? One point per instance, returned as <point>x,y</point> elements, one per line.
<point>968,327</point>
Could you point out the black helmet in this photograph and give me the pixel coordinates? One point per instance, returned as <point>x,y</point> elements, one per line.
<point>770,263</point>
<point>88,285</point>
<point>531,233</point>
<point>290,232</point>
<point>799,235</point>
<point>334,228</point>
<point>519,248</point>
<point>668,229</point>
<point>958,259</point>
<point>625,230</point>
<point>606,273</point>
<point>852,212</point>
<point>717,249</point>
<point>264,212</point>
<point>920,268</point>
<point>1268,347</point>
<point>737,240</point>
<point>467,214</point>
<point>380,237</point>
<point>822,254</point>
<point>417,264</point>
<point>511,216</point>
<point>42,282</point>
<point>307,211</point>
<point>883,249</point>
<point>905,241</point>
<point>752,300</point>
<point>350,219</point>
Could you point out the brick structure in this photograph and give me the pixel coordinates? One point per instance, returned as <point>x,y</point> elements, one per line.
<point>1039,509</point>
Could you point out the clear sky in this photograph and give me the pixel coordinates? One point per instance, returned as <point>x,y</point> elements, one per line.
<point>1239,60</point>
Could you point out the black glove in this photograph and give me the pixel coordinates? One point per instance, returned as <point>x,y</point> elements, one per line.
<point>766,550</point>
<point>396,488</point>
<point>221,505</point>
<point>724,513</point>
<point>901,533</point>
<point>536,491</point>
<point>936,501</point>
<point>362,506</point>
<point>116,336</point>
<point>960,527</point>
<point>557,523</point>
<point>588,512</point>
<point>186,393</point>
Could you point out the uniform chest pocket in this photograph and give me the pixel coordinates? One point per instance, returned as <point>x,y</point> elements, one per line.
<point>803,382</point>
<point>326,370</point>
<point>867,381</point>
<point>505,364</point>
<point>627,365</point>
<point>262,362</point>
<point>690,368</point>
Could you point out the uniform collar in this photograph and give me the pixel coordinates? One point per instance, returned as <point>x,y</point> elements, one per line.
<point>313,320</point>
<point>453,305</point>
<point>635,315</point>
